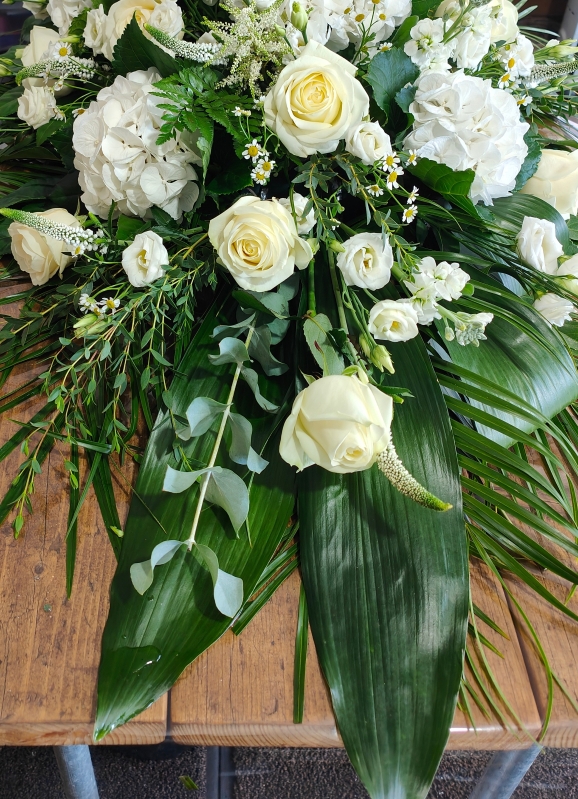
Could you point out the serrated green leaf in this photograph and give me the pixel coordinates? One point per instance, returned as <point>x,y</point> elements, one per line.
<point>388,73</point>
<point>133,51</point>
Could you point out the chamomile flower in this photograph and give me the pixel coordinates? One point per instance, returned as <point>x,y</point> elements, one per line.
<point>385,47</point>
<point>409,214</point>
<point>412,196</point>
<point>59,114</point>
<point>254,151</point>
<point>266,166</point>
<point>78,249</point>
<point>392,177</point>
<point>78,111</point>
<point>259,176</point>
<point>86,304</point>
<point>526,100</point>
<point>375,190</point>
<point>505,81</point>
<point>60,51</point>
<point>109,305</point>
<point>412,157</point>
<point>391,161</point>
<point>237,111</point>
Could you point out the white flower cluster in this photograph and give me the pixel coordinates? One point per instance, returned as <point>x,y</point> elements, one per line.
<point>464,123</point>
<point>101,308</point>
<point>119,160</point>
<point>432,282</point>
<point>201,50</point>
<point>103,30</point>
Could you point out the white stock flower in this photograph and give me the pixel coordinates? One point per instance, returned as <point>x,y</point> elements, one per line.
<point>40,255</point>
<point>426,40</point>
<point>144,259</point>
<point>555,309</point>
<point>368,142</point>
<point>393,320</point>
<point>314,102</point>
<point>538,245</point>
<point>118,158</point>
<point>257,241</point>
<point>305,224</point>
<point>366,261</point>
<point>434,281</point>
<point>338,423</point>
<point>62,12</point>
<point>473,39</point>
<point>505,21</point>
<point>556,181</point>
<point>165,15</point>
<point>463,122</point>
<point>36,106</point>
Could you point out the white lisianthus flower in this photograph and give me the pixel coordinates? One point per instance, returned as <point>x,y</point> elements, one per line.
<point>257,241</point>
<point>314,102</point>
<point>567,274</point>
<point>40,255</point>
<point>538,245</point>
<point>366,261</point>
<point>36,106</point>
<point>95,29</point>
<point>463,122</point>
<point>556,181</point>
<point>505,21</point>
<point>144,260</point>
<point>338,423</point>
<point>393,320</point>
<point>426,39</point>
<point>305,224</point>
<point>369,142</point>
<point>118,158</point>
<point>554,309</point>
<point>62,12</point>
<point>165,15</point>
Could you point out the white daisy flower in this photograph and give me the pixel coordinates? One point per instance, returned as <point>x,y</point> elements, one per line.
<point>412,158</point>
<point>254,151</point>
<point>375,190</point>
<point>412,196</point>
<point>391,161</point>
<point>409,214</point>
<point>392,177</point>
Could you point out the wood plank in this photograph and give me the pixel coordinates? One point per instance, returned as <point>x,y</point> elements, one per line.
<point>50,646</point>
<point>240,692</point>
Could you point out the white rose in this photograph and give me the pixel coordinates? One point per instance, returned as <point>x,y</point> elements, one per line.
<point>40,40</point>
<point>95,30</point>
<point>144,259</point>
<point>567,274</point>
<point>556,181</point>
<point>314,102</point>
<point>555,309</point>
<point>305,224</point>
<point>368,141</point>
<point>36,106</point>
<point>40,255</point>
<point>505,21</point>
<point>257,241</point>
<point>367,261</point>
<point>165,15</point>
<point>62,12</point>
<point>538,245</point>
<point>338,423</point>
<point>393,320</point>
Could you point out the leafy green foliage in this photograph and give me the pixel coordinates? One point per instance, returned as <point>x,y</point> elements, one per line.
<point>388,73</point>
<point>134,51</point>
<point>534,141</point>
<point>451,184</point>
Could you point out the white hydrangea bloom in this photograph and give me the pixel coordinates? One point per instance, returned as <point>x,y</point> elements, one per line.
<point>463,122</point>
<point>118,158</point>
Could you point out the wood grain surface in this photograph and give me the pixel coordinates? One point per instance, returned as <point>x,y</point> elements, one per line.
<point>240,692</point>
<point>50,646</point>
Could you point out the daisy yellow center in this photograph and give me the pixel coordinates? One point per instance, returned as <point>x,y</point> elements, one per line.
<point>511,63</point>
<point>359,17</point>
<point>253,150</point>
<point>63,51</point>
<point>267,166</point>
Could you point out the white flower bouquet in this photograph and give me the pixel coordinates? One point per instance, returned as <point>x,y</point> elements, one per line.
<point>313,266</point>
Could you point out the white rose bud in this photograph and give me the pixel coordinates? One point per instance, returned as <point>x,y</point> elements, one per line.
<point>305,224</point>
<point>393,320</point>
<point>36,106</point>
<point>257,241</point>
<point>538,245</point>
<point>144,259</point>
<point>366,261</point>
<point>556,181</point>
<point>314,102</point>
<point>555,309</point>
<point>338,423</point>
<point>368,142</point>
<point>40,255</point>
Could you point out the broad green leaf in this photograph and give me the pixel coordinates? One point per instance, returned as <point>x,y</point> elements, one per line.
<point>227,589</point>
<point>235,177</point>
<point>134,51</point>
<point>451,184</point>
<point>142,574</point>
<point>402,34</point>
<point>201,414</point>
<point>177,615</point>
<point>537,369</point>
<point>128,227</point>
<point>530,165</point>
<point>231,350</point>
<point>228,491</point>
<point>241,450</point>
<point>388,73</point>
<point>387,589</point>
<point>315,331</point>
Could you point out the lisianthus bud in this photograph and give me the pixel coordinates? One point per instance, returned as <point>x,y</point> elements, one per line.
<point>365,345</point>
<point>314,244</point>
<point>381,358</point>
<point>4,71</point>
<point>299,17</point>
<point>336,246</point>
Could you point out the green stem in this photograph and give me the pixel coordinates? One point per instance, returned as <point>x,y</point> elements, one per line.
<point>311,302</point>
<point>337,292</point>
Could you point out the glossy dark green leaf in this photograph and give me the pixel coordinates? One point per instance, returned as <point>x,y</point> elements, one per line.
<point>134,51</point>
<point>388,73</point>
<point>387,590</point>
<point>451,184</point>
<point>148,640</point>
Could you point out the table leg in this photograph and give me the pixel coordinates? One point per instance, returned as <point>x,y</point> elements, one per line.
<point>220,772</point>
<point>504,773</point>
<point>76,772</point>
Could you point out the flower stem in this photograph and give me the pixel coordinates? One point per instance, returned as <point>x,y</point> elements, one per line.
<point>207,476</point>
<point>311,302</point>
<point>337,292</point>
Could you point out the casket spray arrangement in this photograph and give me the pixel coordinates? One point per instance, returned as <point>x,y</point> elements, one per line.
<point>324,255</point>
